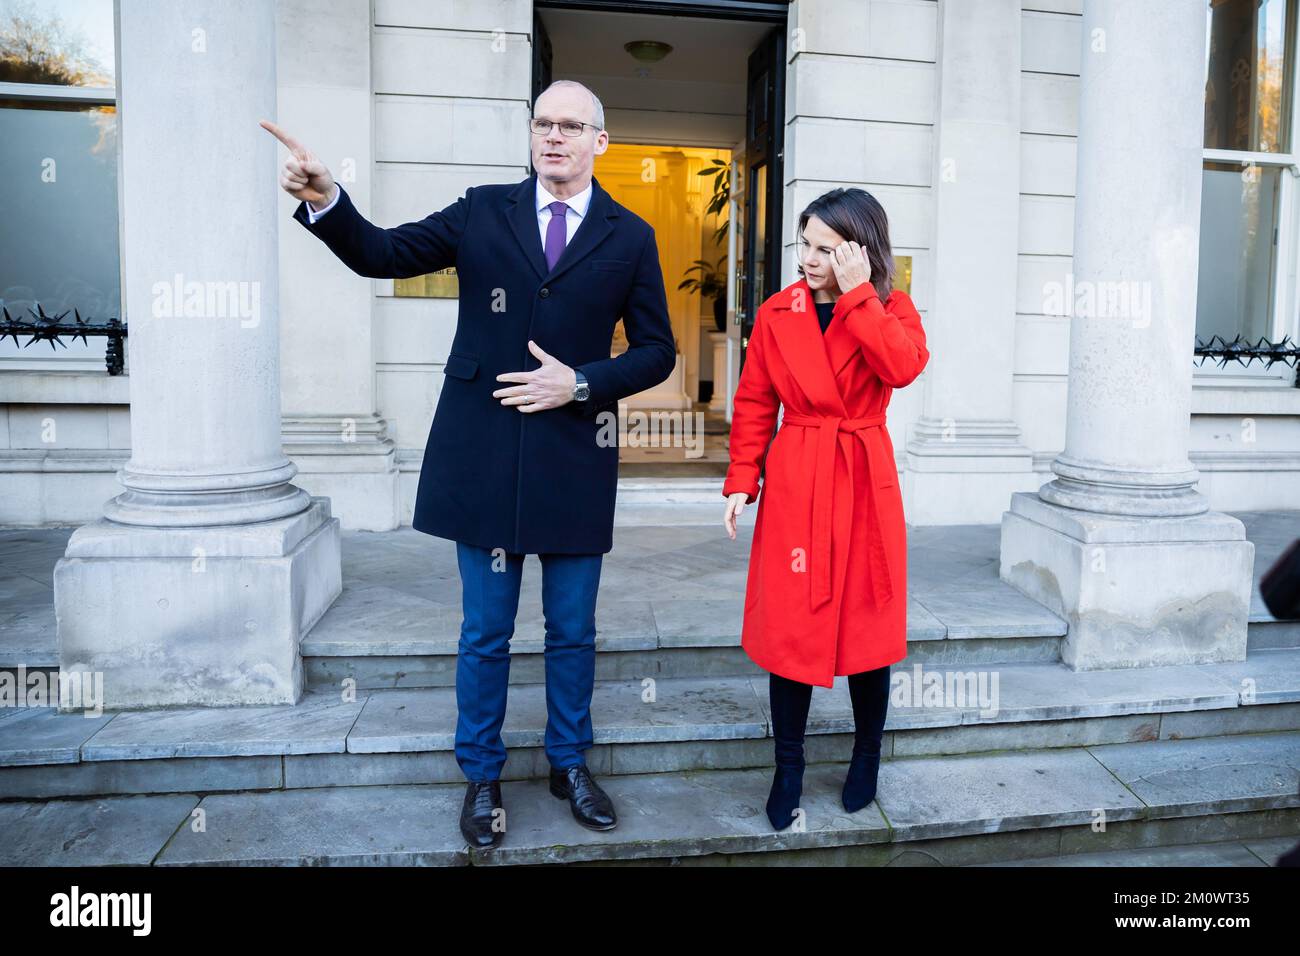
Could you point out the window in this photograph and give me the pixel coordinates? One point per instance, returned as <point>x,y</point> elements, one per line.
<point>58,173</point>
<point>1248,245</point>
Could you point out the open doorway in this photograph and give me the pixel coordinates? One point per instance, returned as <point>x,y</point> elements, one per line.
<point>694,97</point>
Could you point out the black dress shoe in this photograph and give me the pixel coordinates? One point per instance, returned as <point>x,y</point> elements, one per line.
<point>482,798</point>
<point>591,805</point>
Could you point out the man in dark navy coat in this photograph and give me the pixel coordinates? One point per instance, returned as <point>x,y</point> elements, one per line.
<point>520,459</point>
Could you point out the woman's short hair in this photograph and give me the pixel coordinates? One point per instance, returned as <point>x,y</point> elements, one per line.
<point>857,215</point>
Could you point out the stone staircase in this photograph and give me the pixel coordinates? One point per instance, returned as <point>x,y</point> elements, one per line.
<point>1038,763</point>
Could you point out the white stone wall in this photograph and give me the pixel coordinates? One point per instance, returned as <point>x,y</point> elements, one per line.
<point>1050,44</point>
<point>452,93</point>
<point>860,111</point>
<point>426,97</point>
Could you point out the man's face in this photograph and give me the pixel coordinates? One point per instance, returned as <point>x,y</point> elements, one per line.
<point>561,158</point>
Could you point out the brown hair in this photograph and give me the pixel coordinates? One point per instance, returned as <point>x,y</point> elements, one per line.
<point>858,216</point>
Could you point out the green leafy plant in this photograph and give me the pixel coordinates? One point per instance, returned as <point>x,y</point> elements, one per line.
<point>721,173</point>
<point>711,281</point>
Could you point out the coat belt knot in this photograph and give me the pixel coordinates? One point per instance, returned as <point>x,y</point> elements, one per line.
<point>823,501</point>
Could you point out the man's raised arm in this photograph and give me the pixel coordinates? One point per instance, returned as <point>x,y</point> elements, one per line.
<point>411,249</point>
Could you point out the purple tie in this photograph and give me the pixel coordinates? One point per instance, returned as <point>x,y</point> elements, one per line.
<point>556,234</point>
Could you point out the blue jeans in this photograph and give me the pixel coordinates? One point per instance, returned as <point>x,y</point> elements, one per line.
<point>490,599</point>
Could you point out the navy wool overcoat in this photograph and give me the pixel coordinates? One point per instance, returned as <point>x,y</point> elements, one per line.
<point>535,482</point>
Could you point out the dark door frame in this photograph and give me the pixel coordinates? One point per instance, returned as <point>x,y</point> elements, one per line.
<point>765,140</point>
<point>764,148</point>
<point>768,11</point>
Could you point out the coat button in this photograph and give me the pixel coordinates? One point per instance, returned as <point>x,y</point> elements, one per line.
<point>545,292</point>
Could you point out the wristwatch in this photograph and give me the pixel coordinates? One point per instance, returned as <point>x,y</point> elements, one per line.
<point>581,391</point>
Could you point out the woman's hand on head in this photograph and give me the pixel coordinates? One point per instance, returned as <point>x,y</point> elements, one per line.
<point>851,265</point>
<point>735,505</point>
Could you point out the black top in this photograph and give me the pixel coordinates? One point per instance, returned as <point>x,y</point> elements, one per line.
<point>824,310</point>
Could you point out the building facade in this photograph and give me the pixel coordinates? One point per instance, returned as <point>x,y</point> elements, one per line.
<point>1079,191</point>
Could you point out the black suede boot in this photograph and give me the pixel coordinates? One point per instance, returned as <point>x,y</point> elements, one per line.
<point>789,702</point>
<point>869,691</point>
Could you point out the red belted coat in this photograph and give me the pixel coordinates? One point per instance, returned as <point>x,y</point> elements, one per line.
<point>827,586</point>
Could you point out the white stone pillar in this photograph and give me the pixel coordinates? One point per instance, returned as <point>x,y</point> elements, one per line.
<point>331,428</point>
<point>718,343</point>
<point>211,564</point>
<point>965,455</point>
<point>1121,543</point>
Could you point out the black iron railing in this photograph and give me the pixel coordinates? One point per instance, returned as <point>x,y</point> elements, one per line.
<point>1244,353</point>
<point>44,327</point>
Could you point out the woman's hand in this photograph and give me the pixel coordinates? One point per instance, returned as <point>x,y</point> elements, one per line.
<point>851,265</point>
<point>735,505</point>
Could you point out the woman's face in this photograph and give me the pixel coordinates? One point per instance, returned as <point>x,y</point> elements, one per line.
<point>816,244</point>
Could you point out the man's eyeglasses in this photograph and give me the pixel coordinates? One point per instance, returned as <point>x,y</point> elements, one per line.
<point>542,127</point>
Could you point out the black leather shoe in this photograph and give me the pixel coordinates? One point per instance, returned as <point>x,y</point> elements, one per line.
<point>476,814</point>
<point>591,805</point>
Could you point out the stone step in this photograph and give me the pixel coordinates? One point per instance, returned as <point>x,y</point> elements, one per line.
<point>405,736</point>
<point>948,810</point>
<point>1250,853</point>
<point>386,638</point>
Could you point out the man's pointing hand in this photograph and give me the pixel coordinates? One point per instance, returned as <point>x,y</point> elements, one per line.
<point>304,176</point>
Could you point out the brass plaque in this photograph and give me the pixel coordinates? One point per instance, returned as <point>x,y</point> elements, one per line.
<point>442,284</point>
<point>903,273</point>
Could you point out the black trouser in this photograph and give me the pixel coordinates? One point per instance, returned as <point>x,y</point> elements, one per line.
<point>869,691</point>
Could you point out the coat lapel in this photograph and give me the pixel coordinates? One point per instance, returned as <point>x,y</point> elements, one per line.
<point>595,227</point>
<point>841,344</point>
<point>522,214</point>
<point>800,339</point>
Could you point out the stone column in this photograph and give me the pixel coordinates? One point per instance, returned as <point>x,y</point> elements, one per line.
<point>331,429</point>
<point>965,454</point>
<point>208,568</point>
<point>1120,542</point>
<point>718,343</point>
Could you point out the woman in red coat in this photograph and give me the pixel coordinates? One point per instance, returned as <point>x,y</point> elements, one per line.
<point>827,587</point>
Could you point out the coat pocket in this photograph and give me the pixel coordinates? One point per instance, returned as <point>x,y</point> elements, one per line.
<point>610,265</point>
<point>460,365</point>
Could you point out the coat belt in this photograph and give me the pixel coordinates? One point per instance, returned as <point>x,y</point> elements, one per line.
<point>823,501</point>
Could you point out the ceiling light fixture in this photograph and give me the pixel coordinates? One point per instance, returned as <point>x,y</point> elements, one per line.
<point>647,51</point>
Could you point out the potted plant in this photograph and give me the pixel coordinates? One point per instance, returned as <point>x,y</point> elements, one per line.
<point>710,283</point>
<point>712,280</point>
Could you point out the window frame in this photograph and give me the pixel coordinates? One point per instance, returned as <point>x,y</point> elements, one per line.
<point>89,96</point>
<point>1286,305</point>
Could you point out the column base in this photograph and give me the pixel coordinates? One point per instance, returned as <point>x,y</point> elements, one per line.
<point>1136,592</point>
<point>196,616</point>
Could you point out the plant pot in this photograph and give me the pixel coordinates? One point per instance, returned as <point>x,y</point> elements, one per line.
<point>720,313</point>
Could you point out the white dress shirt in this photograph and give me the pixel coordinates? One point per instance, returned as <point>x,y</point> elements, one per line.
<point>573,218</point>
<point>578,206</point>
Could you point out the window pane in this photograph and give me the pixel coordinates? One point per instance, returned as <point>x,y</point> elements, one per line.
<point>1234,293</point>
<point>58,189</point>
<point>1248,75</point>
<point>60,42</point>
